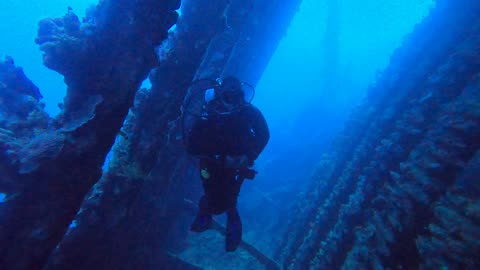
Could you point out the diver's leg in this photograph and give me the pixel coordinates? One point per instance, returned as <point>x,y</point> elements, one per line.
<point>203,220</point>
<point>234,224</point>
<point>234,230</point>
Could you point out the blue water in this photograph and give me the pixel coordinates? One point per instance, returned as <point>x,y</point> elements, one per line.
<point>369,33</point>
<point>305,107</point>
<point>294,93</point>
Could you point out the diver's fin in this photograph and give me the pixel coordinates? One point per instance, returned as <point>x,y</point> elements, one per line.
<point>269,263</point>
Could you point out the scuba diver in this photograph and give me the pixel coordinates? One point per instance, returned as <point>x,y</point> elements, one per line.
<point>228,137</point>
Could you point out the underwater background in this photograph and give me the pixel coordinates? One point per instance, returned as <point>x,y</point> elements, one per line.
<point>373,108</point>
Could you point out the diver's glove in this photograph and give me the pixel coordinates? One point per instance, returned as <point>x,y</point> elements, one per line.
<point>248,173</point>
<point>236,162</point>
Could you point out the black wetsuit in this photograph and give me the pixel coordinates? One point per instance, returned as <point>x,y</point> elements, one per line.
<point>216,136</point>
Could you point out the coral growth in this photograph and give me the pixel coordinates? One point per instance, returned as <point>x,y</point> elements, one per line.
<point>386,197</point>
<point>51,166</point>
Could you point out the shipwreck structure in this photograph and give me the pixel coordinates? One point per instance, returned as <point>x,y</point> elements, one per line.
<point>398,189</point>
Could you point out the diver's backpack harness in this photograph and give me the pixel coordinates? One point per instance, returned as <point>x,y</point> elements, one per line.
<point>194,110</point>
<point>195,107</point>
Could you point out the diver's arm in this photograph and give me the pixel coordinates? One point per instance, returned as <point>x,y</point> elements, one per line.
<point>196,137</point>
<point>262,134</point>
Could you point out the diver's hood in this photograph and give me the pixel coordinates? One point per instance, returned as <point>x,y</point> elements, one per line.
<point>202,92</point>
